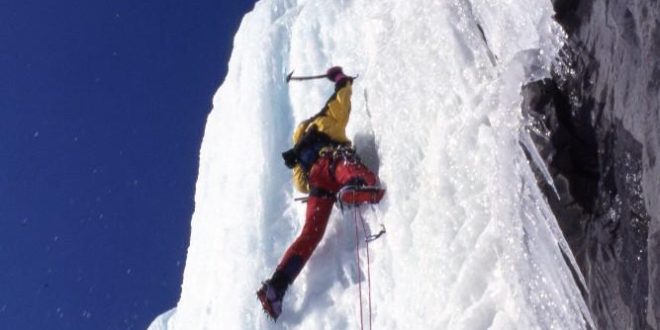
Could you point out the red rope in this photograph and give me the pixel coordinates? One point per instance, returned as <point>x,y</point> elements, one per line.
<point>357,254</point>
<point>364,229</point>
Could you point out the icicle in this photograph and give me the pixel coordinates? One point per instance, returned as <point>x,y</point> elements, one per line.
<point>530,147</point>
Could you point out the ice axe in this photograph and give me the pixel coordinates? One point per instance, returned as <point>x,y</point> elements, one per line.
<point>290,77</point>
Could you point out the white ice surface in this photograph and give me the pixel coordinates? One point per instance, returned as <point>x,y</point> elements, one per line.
<point>471,242</point>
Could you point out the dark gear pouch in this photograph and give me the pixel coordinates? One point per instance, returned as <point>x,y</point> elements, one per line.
<point>290,158</point>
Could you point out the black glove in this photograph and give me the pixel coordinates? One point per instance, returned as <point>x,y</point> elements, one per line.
<point>290,158</point>
<point>335,73</point>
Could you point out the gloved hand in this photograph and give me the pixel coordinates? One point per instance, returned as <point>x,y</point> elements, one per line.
<point>335,74</point>
<point>290,158</point>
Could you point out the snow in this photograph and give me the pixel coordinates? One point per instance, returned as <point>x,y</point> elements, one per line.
<point>470,243</point>
<point>160,323</point>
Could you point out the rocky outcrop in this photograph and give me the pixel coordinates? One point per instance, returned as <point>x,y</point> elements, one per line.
<point>596,124</point>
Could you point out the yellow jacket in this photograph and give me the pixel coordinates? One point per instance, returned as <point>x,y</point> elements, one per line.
<point>331,120</point>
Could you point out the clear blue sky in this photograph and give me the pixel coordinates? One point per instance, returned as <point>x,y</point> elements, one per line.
<point>102,111</point>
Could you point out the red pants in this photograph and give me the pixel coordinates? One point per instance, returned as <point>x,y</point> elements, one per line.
<point>326,178</point>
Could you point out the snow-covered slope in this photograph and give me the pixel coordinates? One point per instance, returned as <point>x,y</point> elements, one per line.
<point>471,242</point>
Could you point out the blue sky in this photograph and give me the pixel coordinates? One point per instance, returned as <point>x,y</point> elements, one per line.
<point>102,111</point>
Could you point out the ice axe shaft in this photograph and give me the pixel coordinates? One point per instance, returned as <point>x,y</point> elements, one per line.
<point>290,77</point>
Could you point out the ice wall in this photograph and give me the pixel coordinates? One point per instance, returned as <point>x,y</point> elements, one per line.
<point>471,243</point>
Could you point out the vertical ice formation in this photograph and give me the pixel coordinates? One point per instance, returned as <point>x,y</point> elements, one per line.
<point>471,243</point>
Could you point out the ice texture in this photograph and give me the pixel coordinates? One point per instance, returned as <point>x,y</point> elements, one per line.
<point>471,242</point>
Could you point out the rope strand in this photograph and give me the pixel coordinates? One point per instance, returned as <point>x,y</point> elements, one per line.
<point>357,254</point>
<point>364,229</point>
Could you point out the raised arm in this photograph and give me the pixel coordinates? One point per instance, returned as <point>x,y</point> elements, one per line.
<point>338,107</point>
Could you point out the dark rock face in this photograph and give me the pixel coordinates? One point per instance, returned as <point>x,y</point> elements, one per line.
<point>596,123</point>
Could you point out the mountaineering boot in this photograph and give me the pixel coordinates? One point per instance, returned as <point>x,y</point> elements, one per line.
<point>272,292</point>
<point>270,299</point>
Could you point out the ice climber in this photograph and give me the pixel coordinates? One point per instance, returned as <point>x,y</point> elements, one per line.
<point>323,163</point>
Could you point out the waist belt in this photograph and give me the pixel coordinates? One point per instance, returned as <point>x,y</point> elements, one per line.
<point>318,192</point>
